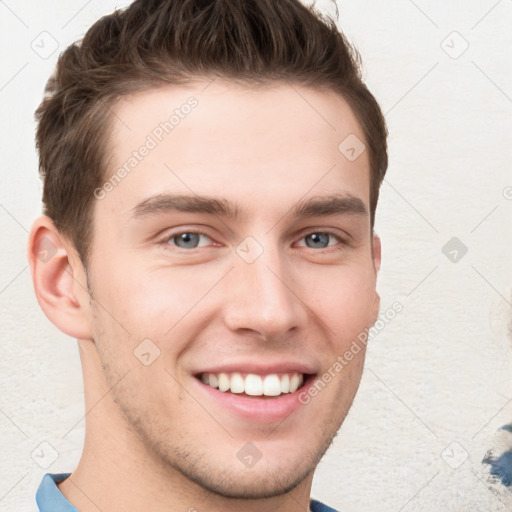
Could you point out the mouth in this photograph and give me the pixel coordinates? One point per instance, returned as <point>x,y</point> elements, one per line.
<point>256,393</point>
<point>254,385</point>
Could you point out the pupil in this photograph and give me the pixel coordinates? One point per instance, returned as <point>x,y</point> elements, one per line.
<point>319,237</point>
<point>187,238</point>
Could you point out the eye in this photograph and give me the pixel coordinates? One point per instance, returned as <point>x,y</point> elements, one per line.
<point>320,240</point>
<point>187,239</point>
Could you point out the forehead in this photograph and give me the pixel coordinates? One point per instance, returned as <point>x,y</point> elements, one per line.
<point>249,144</point>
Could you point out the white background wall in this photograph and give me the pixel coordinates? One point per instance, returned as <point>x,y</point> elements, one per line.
<point>438,379</point>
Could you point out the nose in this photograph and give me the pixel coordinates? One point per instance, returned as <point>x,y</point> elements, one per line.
<point>264,296</point>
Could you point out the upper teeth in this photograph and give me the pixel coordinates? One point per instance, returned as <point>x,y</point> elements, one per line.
<point>254,385</point>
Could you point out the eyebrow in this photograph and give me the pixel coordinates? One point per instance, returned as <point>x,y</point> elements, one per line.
<point>337,204</point>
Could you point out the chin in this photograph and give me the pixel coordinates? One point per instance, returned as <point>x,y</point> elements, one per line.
<point>254,483</point>
<point>220,472</point>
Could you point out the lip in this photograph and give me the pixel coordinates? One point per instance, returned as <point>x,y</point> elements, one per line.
<point>255,410</point>
<point>259,369</point>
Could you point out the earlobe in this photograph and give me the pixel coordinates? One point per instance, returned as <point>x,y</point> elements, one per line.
<point>59,282</point>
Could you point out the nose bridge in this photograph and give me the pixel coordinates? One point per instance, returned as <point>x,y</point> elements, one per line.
<point>261,296</point>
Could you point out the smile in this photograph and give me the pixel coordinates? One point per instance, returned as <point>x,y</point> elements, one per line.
<point>252,384</point>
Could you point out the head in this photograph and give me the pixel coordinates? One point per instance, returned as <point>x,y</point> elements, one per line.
<point>211,173</point>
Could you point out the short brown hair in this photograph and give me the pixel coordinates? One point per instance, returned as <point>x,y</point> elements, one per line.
<point>157,42</point>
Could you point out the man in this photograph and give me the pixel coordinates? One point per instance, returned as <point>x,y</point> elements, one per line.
<point>211,172</point>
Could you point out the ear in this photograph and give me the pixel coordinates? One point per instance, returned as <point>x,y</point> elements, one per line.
<point>376,256</point>
<point>59,279</point>
<point>376,252</point>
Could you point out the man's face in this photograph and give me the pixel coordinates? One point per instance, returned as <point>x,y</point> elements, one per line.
<point>269,297</point>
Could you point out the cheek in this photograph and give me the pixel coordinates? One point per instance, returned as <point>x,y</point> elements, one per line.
<point>347,300</point>
<point>152,302</point>
<point>166,306</point>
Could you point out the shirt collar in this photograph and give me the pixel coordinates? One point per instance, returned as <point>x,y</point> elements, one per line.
<point>50,499</point>
<point>48,496</point>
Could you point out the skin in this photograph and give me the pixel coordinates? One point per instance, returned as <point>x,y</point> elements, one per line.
<point>154,441</point>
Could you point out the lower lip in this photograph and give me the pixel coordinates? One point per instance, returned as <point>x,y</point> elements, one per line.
<point>257,409</point>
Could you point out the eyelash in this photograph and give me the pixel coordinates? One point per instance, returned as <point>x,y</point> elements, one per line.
<point>342,242</point>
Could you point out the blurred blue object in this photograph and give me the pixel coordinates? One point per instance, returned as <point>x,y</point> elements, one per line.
<point>500,456</point>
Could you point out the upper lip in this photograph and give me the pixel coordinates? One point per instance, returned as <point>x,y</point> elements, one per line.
<point>259,368</point>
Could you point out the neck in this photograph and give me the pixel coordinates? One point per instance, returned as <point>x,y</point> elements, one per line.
<point>118,472</point>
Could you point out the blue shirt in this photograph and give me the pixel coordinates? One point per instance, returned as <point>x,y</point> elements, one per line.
<point>50,499</point>
<point>499,457</point>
